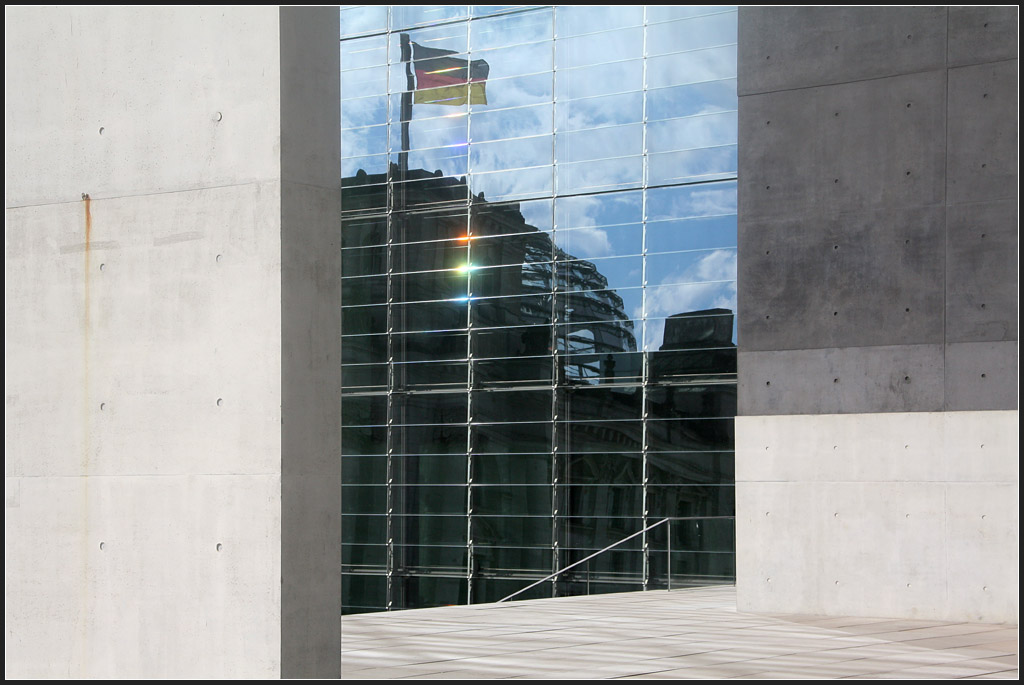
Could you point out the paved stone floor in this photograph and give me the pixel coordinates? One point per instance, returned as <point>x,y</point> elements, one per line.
<point>695,633</point>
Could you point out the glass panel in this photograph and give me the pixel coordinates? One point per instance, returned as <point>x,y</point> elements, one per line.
<point>364,530</point>
<point>681,468</point>
<point>605,469</point>
<point>520,217</point>
<point>364,19</point>
<point>520,341</point>
<point>428,469</point>
<point>707,164</point>
<point>517,183</point>
<point>685,299</point>
<point>604,79</point>
<point>710,64</point>
<point>611,272</point>
<point>693,99</point>
<point>604,110</point>
<point>420,558</point>
<point>693,401</point>
<point>362,111</point>
<point>428,316</point>
<point>601,241</point>
<point>420,440</point>
<point>692,266</point>
<point>600,369</point>
<point>712,199</point>
<point>513,310</point>
<point>572,21</point>
<point>515,469</point>
<point>364,410</point>
<point>357,557</point>
<point>517,122</point>
<point>364,470</point>
<point>363,499</point>
<point>364,441</point>
<point>610,306</point>
<point>600,436</point>
<point>521,371</point>
<point>431,591</point>
<point>428,347</point>
<point>429,408</point>
<point>606,174</point>
<point>705,130</point>
<point>359,83</point>
<point>690,34</point>
<point>608,403</point>
<point>518,531</point>
<point>358,231</point>
<point>599,143</point>
<point>363,377</point>
<point>364,290</point>
<point>365,261</point>
<point>433,375</point>
<point>426,499</point>
<point>368,170</point>
<point>658,13</point>
<point>599,501</point>
<point>512,500</point>
<point>428,530</point>
<point>597,48</point>
<point>696,435</point>
<point>492,406</point>
<point>416,15</point>
<point>511,154</point>
<point>363,320</point>
<point>365,592</point>
<point>361,192</point>
<point>363,52</point>
<point>503,438</point>
<point>690,500</point>
<point>521,27</point>
<point>527,58</point>
<point>494,589</point>
<point>691,234</point>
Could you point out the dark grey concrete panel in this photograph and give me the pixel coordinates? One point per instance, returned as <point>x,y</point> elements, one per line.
<point>844,147</point>
<point>873,277</point>
<point>795,47</point>
<point>982,34</point>
<point>841,380</point>
<point>310,343</point>
<point>982,140</point>
<point>981,376</point>
<point>981,272</point>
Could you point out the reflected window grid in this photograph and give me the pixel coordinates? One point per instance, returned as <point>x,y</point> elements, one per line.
<point>400,563</point>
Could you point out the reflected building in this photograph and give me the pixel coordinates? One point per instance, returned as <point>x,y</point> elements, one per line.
<point>501,421</point>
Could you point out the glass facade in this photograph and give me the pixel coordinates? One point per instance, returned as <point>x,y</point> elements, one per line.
<point>539,288</point>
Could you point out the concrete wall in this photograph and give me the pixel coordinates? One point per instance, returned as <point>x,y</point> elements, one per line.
<point>154,200</point>
<point>877,437</point>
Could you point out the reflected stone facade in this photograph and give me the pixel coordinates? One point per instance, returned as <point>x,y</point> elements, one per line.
<point>538,302</point>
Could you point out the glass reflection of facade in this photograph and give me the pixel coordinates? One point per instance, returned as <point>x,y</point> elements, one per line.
<point>539,293</point>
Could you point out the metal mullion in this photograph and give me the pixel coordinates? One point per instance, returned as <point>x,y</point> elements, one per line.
<point>389,323</point>
<point>645,365</point>
<point>555,360</point>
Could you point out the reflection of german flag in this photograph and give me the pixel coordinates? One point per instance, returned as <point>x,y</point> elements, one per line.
<point>445,80</point>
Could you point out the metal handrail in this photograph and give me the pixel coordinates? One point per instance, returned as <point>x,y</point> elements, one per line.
<point>616,544</point>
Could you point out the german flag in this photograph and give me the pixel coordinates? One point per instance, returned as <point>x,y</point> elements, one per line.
<point>445,80</point>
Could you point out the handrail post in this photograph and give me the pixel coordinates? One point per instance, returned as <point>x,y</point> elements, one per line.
<point>670,555</point>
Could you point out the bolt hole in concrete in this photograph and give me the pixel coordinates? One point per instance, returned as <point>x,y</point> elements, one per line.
<point>219,547</point>
<point>219,257</point>
<point>103,405</point>
<point>835,313</point>
<point>101,130</point>
<point>102,267</point>
<point>220,402</point>
<point>835,380</point>
<point>767,513</point>
<point>102,545</point>
<point>908,104</point>
<point>769,382</point>
<point>217,116</point>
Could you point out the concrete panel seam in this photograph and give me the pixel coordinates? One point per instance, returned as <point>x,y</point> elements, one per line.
<point>843,83</point>
<point>185,189</point>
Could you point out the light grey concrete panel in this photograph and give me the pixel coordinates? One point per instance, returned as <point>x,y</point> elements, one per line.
<point>843,147</point>
<point>310,344</point>
<point>796,47</point>
<point>145,576</point>
<point>981,375</point>
<point>982,139</point>
<point>982,34</point>
<point>145,352</point>
<point>913,550</point>
<point>117,101</point>
<point>803,282</point>
<point>941,446</point>
<point>896,378</point>
<point>981,272</point>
